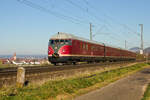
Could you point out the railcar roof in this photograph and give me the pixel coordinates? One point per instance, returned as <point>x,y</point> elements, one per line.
<point>62,35</point>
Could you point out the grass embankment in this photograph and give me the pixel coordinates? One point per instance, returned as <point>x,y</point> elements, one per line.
<point>67,87</point>
<point>7,65</point>
<point>147,93</point>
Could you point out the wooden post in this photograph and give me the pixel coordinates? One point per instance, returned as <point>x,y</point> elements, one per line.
<point>20,77</point>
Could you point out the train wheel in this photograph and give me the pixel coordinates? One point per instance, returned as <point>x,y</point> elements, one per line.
<point>74,63</point>
<point>55,64</point>
<point>89,62</point>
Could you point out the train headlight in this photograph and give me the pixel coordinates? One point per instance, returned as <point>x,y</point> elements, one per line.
<point>55,47</point>
<point>63,50</point>
<point>49,51</point>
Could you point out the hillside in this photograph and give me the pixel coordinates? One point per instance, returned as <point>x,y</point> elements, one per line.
<point>137,50</point>
<point>147,50</point>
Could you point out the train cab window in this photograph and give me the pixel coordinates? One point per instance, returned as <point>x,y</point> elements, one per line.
<point>67,41</point>
<point>56,41</point>
<point>62,41</point>
<point>51,42</point>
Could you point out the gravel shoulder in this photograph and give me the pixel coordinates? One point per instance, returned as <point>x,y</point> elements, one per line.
<point>129,88</point>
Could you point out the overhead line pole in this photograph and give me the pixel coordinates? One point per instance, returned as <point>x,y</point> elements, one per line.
<point>141,51</point>
<point>125,44</point>
<point>90,31</point>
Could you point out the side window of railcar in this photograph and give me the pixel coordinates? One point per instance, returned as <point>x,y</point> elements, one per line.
<point>101,48</point>
<point>75,43</point>
<point>86,46</point>
<point>80,45</point>
<point>83,45</point>
<point>93,48</point>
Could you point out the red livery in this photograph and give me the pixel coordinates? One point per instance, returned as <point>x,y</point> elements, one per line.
<point>67,48</point>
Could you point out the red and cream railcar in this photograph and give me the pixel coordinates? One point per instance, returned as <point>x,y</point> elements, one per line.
<point>64,48</point>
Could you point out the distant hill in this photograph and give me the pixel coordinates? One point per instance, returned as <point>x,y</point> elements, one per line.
<point>147,50</point>
<point>137,50</point>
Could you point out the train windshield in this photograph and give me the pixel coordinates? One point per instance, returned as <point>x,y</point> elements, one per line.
<point>62,41</point>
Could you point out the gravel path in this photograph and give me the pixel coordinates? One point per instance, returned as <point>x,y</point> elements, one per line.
<point>129,88</point>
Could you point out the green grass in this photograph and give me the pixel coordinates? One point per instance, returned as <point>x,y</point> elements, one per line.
<point>147,93</point>
<point>52,89</point>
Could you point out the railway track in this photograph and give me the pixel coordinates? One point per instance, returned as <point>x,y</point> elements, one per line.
<point>12,71</point>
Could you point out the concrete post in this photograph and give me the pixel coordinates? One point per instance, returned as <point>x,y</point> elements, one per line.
<point>20,77</point>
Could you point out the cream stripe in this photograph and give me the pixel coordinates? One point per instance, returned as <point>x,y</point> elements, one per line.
<point>92,56</point>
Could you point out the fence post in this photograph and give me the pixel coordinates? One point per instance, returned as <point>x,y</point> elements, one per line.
<point>20,77</point>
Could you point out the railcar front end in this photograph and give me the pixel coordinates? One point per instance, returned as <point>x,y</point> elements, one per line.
<point>59,50</point>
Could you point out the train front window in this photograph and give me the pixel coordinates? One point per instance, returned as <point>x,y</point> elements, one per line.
<point>67,41</point>
<point>51,42</point>
<point>56,41</point>
<point>62,41</point>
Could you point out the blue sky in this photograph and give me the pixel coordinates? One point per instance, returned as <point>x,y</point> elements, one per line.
<point>26,29</point>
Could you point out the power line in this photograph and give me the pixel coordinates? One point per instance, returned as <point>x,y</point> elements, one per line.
<point>76,5</point>
<point>86,2</point>
<point>109,33</point>
<point>100,29</point>
<point>69,12</point>
<point>127,27</point>
<point>58,15</point>
<point>123,25</point>
<point>114,37</point>
<point>73,19</point>
<point>89,12</point>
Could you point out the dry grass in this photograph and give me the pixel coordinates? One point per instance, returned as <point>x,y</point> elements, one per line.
<point>147,93</point>
<point>68,88</point>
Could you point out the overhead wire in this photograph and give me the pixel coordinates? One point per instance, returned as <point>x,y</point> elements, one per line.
<point>58,15</point>
<point>111,35</point>
<point>106,15</point>
<point>76,20</point>
<point>123,25</point>
<point>89,12</point>
<point>71,13</point>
